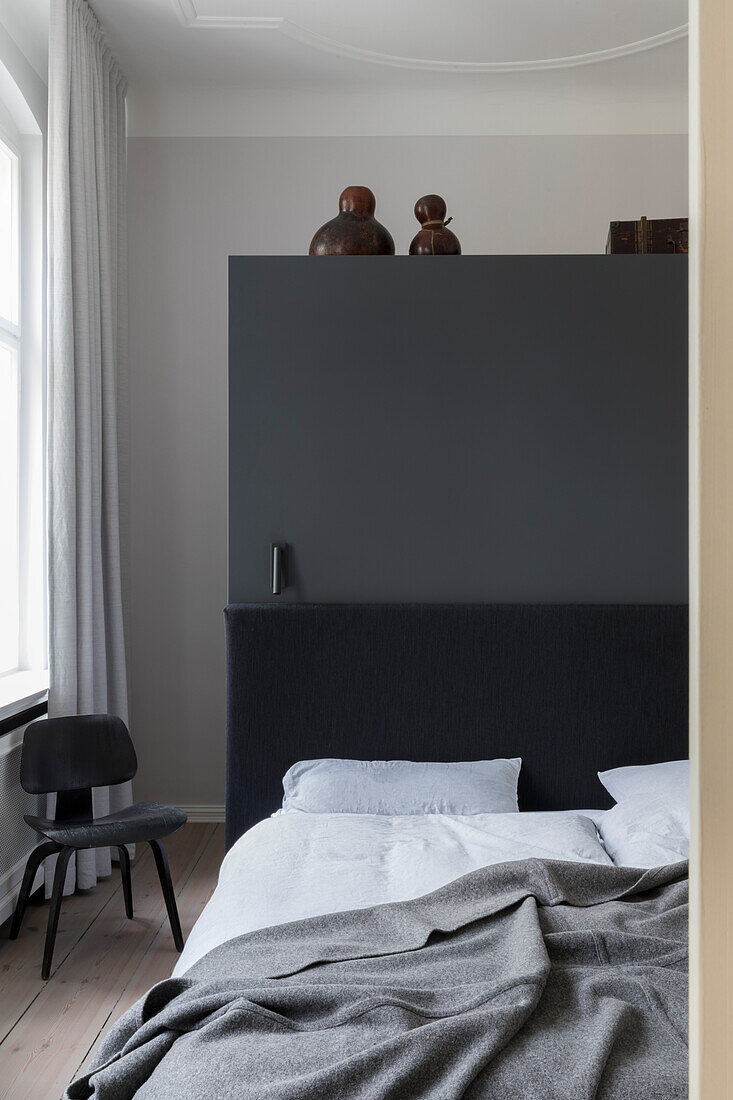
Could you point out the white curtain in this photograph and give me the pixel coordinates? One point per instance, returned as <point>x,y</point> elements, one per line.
<point>87,377</point>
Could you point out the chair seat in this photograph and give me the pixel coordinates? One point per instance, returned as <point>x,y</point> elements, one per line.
<point>143,821</point>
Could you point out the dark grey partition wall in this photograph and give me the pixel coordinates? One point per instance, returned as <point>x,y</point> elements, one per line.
<point>476,428</point>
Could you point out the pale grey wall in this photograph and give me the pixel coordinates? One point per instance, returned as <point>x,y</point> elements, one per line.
<point>193,202</point>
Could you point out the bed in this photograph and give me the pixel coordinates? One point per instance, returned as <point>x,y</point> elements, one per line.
<point>430,955</point>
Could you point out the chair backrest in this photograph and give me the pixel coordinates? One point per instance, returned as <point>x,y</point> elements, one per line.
<point>76,752</point>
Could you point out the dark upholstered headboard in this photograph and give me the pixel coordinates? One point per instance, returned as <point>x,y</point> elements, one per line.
<point>572,689</point>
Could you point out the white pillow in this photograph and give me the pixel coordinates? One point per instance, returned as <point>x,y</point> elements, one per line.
<point>672,776</point>
<point>647,830</point>
<point>396,787</point>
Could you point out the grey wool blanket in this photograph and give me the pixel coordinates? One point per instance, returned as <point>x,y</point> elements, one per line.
<point>542,979</point>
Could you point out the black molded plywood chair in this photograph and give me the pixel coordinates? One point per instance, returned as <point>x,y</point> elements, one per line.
<point>70,756</point>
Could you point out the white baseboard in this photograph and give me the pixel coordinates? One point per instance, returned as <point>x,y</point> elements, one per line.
<point>214,812</point>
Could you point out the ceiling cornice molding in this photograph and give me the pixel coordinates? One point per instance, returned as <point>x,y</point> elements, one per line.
<point>190,18</point>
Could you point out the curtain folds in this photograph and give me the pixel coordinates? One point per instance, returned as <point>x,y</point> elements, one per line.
<point>87,378</point>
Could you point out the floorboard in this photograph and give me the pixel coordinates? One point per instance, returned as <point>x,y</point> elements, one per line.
<point>102,964</point>
<point>20,960</point>
<point>160,957</point>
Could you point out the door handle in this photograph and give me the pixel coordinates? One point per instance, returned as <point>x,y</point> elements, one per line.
<point>278,567</point>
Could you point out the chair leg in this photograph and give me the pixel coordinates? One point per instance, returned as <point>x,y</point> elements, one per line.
<point>164,874</point>
<point>34,862</point>
<point>53,913</point>
<point>126,879</point>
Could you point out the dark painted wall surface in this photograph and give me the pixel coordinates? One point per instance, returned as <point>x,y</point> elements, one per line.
<point>484,428</point>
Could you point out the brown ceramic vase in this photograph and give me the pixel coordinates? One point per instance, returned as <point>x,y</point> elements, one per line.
<point>434,239</point>
<point>354,231</point>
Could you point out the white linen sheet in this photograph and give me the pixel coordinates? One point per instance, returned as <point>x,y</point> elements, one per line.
<point>299,865</point>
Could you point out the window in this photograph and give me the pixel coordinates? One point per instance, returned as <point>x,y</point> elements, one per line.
<point>23,676</point>
<point>9,412</point>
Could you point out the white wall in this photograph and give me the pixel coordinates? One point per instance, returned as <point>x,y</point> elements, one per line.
<point>194,201</point>
<point>22,89</point>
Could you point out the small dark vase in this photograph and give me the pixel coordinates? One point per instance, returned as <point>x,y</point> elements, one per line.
<point>354,231</point>
<point>434,239</point>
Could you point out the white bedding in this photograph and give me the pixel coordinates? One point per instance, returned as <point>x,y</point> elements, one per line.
<point>648,830</point>
<point>298,865</point>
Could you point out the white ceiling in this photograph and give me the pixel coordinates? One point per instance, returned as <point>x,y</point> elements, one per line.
<point>282,42</point>
<point>390,66</point>
<point>459,33</point>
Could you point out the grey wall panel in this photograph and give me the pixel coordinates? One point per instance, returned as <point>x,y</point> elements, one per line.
<point>481,428</point>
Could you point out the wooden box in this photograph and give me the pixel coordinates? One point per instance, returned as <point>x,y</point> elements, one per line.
<point>648,235</point>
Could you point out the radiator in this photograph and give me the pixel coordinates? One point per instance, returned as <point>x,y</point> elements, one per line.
<point>16,838</point>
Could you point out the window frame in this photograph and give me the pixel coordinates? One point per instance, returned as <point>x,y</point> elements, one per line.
<point>27,684</point>
<point>10,338</point>
<point>9,328</point>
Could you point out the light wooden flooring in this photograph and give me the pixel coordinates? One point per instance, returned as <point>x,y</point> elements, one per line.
<point>102,964</point>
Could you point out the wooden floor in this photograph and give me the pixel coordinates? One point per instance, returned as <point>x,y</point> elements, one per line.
<point>102,964</point>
